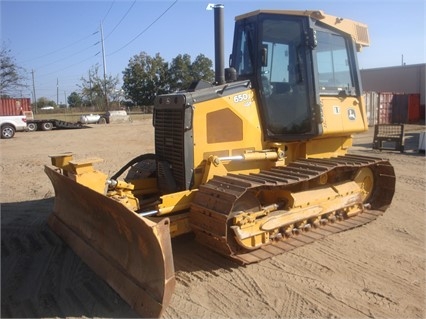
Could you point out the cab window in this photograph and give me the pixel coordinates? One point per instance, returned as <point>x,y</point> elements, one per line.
<point>333,64</point>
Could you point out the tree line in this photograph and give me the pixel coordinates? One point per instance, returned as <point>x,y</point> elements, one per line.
<point>143,79</point>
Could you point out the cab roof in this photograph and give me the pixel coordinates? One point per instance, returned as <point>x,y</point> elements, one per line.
<point>358,31</point>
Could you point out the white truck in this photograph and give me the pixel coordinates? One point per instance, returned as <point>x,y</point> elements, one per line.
<point>11,124</point>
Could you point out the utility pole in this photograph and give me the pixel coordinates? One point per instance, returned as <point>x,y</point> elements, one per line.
<point>104,64</point>
<point>57,92</point>
<point>34,93</point>
<point>90,92</point>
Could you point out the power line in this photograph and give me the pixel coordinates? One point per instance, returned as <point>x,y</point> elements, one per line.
<point>60,49</point>
<point>68,56</point>
<point>69,66</point>
<point>87,48</point>
<point>146,29</point>
<point>73,43</point>
<point>76,53</point>
<point>106,15</point>
<point>121,20</point>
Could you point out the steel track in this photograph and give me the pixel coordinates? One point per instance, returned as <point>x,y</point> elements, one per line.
<point>214,202</point>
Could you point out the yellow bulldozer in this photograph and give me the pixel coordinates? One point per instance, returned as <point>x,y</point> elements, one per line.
<point>254,164</point>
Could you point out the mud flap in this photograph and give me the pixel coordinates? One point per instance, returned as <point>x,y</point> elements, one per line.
<point>131,253</point>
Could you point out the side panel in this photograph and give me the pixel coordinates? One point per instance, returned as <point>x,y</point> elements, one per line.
<point>227,126</point>
<point>343,115</point>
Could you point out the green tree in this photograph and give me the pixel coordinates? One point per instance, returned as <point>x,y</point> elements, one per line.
<point>96,90</point>
<point>144,78</point>
<point>44,101</point>
<point>183,72</point>
<point>11,75</point>
<point>180,76</point>
<point>75,100</point>
<point>201,69</point>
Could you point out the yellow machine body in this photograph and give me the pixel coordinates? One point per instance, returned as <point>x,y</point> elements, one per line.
<point>250,164</point>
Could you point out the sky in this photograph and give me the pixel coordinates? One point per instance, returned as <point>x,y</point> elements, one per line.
<point>58,42</point>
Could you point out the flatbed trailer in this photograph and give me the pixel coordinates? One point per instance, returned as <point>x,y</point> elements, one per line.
<point>47,125</point>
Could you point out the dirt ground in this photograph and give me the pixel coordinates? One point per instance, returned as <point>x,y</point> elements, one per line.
<point>374,271</point>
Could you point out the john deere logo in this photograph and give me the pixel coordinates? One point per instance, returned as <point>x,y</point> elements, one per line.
<point>351,114</point>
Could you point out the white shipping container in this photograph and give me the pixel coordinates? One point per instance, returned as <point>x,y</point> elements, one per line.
<point>371,105</point>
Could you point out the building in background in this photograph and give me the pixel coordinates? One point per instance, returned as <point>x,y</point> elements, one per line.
<point>400,90</point>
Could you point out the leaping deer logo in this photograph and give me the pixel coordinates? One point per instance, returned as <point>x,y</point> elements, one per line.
<point>351,114</point>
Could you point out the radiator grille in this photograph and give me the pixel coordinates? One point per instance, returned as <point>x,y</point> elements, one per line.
<point>169,141</point>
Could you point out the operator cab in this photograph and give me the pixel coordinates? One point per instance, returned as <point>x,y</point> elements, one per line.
<point>293,60</point>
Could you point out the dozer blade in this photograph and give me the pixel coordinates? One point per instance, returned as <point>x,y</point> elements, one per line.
<point>131,253</point>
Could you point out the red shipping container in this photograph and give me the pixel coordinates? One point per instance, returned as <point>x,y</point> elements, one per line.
<point>14,106</point>
<point>384,112</point>
<point>422,112</point>
<point>406,108</point>
<point>413,108</point>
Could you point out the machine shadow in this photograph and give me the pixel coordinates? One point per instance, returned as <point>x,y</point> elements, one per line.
<point>42,277</point>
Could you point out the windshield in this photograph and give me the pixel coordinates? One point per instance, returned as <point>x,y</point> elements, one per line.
<point>283,76</point>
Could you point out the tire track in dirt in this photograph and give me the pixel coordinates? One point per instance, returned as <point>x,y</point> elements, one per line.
<point>316,290</point>
<point>201,275</point>
<point>351,297</point>
<point>356,266</point>
<point>255,285</point>
<point>304,284</point>
<point>231,290</point>
<point>307,267</point>
<point>286,301</point>
<point>413,181</point>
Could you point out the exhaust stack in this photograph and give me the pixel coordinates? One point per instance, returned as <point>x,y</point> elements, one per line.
<point>219,60</point>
